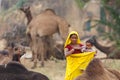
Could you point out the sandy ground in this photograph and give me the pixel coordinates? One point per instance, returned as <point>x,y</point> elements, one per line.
<point>55,70</point>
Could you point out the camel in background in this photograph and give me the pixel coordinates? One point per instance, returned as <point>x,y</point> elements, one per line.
<point>40,31</point>
<point>110,51</point>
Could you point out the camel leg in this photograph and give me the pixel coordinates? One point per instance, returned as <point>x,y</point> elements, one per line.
<point>48,47</point>
<point>32,48</point>
<point>34,58</point>
<point>39,51</point>
<point>42,50</point>
<point>34,52</point>
<point>34,61</point>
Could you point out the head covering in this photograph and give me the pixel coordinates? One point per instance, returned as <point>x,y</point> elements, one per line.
<point>4,52</point>
<point>68,41</point>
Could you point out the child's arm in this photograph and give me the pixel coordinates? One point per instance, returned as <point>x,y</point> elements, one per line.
<point>94,50</point>
<point>83,49</point>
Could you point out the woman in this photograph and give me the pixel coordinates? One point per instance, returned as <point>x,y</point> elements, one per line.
<point>73,45</point>
<point>76,62</point>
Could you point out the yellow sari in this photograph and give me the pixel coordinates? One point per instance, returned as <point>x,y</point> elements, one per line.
<point>76,63</point>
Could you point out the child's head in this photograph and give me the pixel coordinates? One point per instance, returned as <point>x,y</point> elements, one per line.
<point>89,44</point>
<point>17,50</point>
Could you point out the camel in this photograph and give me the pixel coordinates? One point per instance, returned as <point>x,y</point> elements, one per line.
<point>16,71</point>
<point>40,31</point>
<point>96,71</point>
<point>110,51</point>
<point>58,46</point>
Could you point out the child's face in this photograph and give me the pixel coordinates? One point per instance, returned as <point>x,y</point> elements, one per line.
<point>74,38</point>
<point>88,45</point>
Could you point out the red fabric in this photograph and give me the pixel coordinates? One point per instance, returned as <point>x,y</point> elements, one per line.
<point>76,50</point>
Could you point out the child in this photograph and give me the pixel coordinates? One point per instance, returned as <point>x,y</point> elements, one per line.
<point>88,47</point>
<point>17,54</point>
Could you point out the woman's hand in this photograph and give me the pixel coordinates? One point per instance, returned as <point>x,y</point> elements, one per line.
<point>67,53</point>
<point>72,50</point>
<point>78,48</point>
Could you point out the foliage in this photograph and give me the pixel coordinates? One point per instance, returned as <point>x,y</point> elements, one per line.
<point>81,3</point>
<point>16,35</point>
<point>113,23</point>
<point>112,3</point>
<point>19,4</point>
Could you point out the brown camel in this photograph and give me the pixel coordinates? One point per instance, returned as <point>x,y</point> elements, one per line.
<point>16,71</point>
<point>40,31</point>
<point>111,51</point>
<point>57,50</point>
<point>96,71</point>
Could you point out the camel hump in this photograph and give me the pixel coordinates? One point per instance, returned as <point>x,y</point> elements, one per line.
<point>49,11</point>
<point>38,76</point>
<point>15,67</point>
<point>95,67</point>
<point>2,69</point>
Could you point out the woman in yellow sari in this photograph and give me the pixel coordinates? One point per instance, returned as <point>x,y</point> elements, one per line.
<point>76,60</point>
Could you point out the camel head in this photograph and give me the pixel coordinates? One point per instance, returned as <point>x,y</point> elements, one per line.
<point>49,11</point>
<point>26,10</point>
<point>63,28</point>
<point>110,51</point>
<point>27,13</point>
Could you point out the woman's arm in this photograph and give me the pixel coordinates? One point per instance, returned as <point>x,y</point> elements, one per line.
<point>67,53</point>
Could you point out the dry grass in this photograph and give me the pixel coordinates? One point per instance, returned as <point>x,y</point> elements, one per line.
<point>55,70</point>
<point>112,63</point>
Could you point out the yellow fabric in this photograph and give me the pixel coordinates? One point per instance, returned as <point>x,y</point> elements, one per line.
<point>76,63</point>
<point>68,41</point>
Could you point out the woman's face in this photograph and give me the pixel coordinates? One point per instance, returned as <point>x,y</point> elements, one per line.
<point>73,38</point>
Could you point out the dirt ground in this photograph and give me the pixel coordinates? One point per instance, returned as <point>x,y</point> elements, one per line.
<point>55,70</point>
